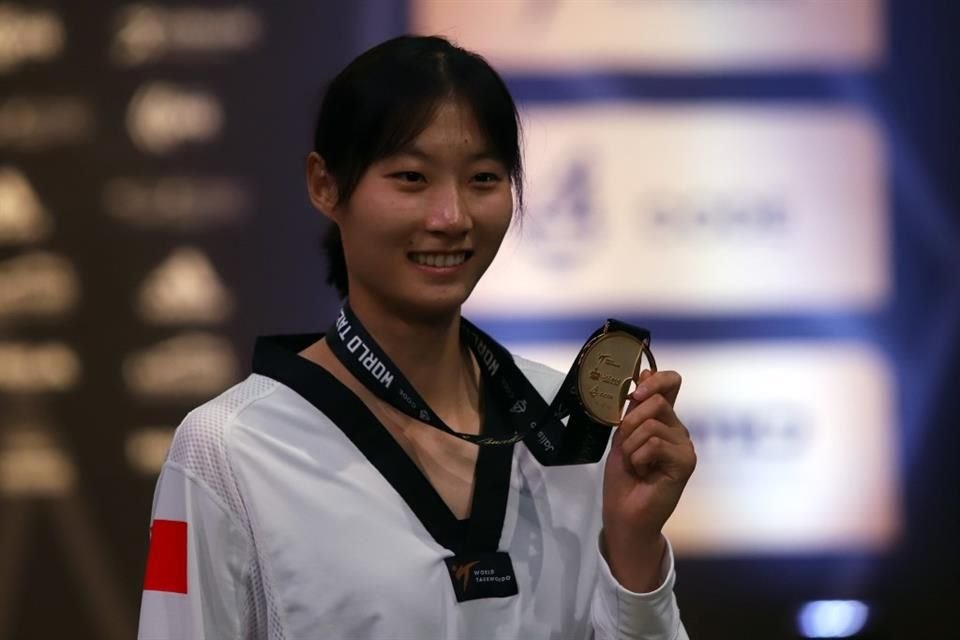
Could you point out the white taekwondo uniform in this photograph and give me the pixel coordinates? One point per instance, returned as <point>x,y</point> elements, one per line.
<point>285,511</point>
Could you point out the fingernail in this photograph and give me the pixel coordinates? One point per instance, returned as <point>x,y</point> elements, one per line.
<point>640,392</point>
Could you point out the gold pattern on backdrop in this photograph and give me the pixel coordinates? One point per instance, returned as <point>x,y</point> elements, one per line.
<point>184,289</point>
<point>35,367</point>
<point>182,202</point>
<point>189,365</point>
<point>151,32</point>
<point>39,284</point>
<point>23,219</point>
<point>32,123</point>
<point>163,116</point>
<point>28,35</point>
<point>146,449</point>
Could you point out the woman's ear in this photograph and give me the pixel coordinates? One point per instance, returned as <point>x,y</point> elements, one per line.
<point>321,186</point>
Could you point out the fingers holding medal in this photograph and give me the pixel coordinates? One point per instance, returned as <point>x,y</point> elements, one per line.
<point>651,436</point>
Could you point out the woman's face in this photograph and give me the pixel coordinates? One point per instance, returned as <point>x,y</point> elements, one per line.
<point>424,223</point>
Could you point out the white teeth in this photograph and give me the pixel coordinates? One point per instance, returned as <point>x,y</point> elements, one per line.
<point>439,259</point>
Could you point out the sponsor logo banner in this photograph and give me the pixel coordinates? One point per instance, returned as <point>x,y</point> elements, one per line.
<point>696,209</point>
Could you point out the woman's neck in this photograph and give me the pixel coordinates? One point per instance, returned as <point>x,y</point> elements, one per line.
<point>429,353</point>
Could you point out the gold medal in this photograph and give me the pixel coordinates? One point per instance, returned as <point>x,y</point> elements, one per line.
<point>606,367</point>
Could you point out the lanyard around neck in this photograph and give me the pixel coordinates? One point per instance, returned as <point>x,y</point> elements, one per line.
<point>582,440</point>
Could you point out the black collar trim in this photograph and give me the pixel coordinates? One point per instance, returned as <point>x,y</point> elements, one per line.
<point>277,357</point>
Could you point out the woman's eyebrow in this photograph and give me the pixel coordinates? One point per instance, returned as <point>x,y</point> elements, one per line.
<point>414,151</point>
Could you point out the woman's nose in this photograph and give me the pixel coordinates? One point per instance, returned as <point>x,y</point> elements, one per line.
<point>448,212</point>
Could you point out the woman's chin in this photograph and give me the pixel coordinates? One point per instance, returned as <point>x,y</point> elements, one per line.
<point>439,307</point>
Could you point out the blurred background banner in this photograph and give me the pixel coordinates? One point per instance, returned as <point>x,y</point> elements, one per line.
<point>658,35</point>
<point>716,208</point>
<point>795,444</point>
<point>769,186</point>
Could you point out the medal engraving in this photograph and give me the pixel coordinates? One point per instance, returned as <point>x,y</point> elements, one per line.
<point>607,366</point>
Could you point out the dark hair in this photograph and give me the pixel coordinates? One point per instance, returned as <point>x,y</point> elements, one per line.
<point>383,99</point>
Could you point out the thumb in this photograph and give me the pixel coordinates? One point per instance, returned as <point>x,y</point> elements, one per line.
<point>646,373</point>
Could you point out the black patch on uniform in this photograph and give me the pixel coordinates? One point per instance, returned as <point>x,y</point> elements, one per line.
<point>482,575</point>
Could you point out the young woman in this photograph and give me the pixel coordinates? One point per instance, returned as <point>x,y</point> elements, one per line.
<point>326,497</point>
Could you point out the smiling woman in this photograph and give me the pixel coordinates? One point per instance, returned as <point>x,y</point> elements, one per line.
<point>431,214</point>
<point>326,495</point>
<point>385,99</point>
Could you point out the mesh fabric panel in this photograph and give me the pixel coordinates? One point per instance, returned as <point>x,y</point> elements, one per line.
<point>199,446</point>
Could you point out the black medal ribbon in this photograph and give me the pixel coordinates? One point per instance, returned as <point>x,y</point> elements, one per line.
<point>537,424</point>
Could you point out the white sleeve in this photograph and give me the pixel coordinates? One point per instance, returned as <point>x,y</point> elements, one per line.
<point>197,564</point>
<point>619,614</point>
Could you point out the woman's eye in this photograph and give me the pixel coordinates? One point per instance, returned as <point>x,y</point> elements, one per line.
<point>486,178</point>
<point>409,176</point>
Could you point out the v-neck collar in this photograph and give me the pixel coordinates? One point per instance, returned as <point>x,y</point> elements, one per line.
<point>277,357</point>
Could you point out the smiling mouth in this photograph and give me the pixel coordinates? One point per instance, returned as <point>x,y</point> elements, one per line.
<point>440,259</point>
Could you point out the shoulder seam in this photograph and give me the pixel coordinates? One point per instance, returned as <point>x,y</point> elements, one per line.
<point>227,435</point>
<point>233,414</point>
<point>210,493</point>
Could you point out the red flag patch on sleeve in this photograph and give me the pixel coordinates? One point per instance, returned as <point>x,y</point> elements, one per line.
<point>167,559</point>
